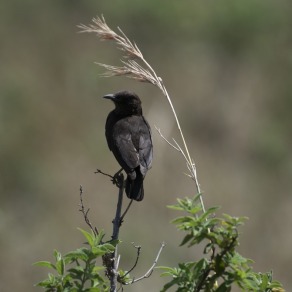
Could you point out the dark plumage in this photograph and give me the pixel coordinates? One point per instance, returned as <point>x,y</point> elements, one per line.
<point>129,138</point>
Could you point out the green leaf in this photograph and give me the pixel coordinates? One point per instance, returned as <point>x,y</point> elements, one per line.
<point>175,207</point>
<point>107,247</point>
<point>100,236</point>
<point>195,209</point>
<point>45,264</point>
<point>78,254</point>
<point>94,289</point>
<point>97,269</point>
<point>186,239</point>
<point>183,219</point>
<point>199,267</point>
<point>224,287</point>
<point>197,197</point>
<point>57,255</point>
<point>115,242</point>
<point>170,284</point>
<point>44,283</point>
<point>60,266</point>
<point>167,271</point>
<point>208,212</point>
<point>89,236</point>
<point>98,251</point>
<point>76,272</point>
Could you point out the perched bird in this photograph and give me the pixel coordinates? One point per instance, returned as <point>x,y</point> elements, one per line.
<point>129,138</point>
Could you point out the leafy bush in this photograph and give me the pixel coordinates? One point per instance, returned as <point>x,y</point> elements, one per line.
<point>223,266</point>
<point>77,270</point>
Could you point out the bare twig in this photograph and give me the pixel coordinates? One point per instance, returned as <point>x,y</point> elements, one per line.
<point>126,211</point>
<point>144,73</point>
<point>150,271</point>
<point>85,213</point>
<point>103,173</point>
<point>138,247</point>
<point>115,178</point>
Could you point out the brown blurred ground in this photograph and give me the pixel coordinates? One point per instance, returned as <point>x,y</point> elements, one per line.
<point>227,66</point>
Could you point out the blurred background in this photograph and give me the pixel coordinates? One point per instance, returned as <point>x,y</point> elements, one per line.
<point>227,66</point>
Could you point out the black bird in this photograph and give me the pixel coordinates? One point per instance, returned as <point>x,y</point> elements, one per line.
<point>129,138</point>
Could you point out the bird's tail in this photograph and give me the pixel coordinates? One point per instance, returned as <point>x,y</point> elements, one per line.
<point>134,188</point>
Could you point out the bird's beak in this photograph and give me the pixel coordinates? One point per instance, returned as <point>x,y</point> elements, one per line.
<point>109,96</point>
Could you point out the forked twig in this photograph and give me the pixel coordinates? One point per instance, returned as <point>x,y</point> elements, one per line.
<point>138,247</point>
<point>150,271</point>
<point>85,213</point>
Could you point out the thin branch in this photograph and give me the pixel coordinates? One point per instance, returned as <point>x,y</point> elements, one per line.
<point>150,271</point>
<point>103,173</point>
<point>117,219</point>
<point>85,213</point>
<point>115,178</point>
<point>125,212</point>
<point>111,260</point>
<point>138,247</point>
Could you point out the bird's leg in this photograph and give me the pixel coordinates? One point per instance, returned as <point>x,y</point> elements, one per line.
<point>118,178</point>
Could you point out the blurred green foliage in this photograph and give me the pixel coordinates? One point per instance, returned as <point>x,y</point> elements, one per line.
<point>219,270</point>
<point>228,67</point>
<point>222,268</point>
<point>77,271</point>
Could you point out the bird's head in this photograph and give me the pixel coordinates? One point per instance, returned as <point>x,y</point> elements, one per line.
<point>126,102</point>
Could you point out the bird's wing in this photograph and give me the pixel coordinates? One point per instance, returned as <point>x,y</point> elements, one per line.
<point>145,146</point>
<point>123,147</point>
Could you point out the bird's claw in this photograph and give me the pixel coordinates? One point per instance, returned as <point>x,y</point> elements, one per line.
<point>118,179</point>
